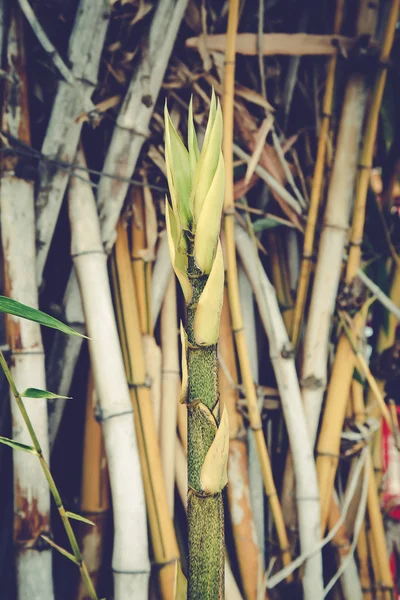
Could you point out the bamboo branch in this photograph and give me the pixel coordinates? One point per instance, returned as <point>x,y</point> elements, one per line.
<point>64,130</point>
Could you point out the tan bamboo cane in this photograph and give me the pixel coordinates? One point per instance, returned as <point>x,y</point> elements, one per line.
<point>163,538</point>
<point>280,277</point>
<point>334,236</point>
<point>31,491</point>
<point>362,555</point>
<point>317,184</point>
<point>233,288</point>
<point>247,550</point>
<point>130,550</point>
<point>95,492</point>
<point>377,585</point>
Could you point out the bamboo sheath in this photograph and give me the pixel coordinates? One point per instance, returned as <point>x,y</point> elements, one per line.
<point>130,554</point>
<point>95,492</point>
<point>233,291</point>
<point>316,189</point>
<point>333,236</point>
<point>161,527</point>
<point>251,564</point>
<point>31,491</point>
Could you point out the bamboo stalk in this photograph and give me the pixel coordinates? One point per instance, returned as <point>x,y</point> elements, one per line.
<point>250,560</point>
<point>333,237</point>
<point>285,372</point>
<point>130,554</point>
<point>362,554</point>
<point>161,528</point>
<point>64,130</point>
<point>377,586</point>
<point>95,492</point>
<point>31,492</point>
<point>170,388</point>
<point>316,189</point>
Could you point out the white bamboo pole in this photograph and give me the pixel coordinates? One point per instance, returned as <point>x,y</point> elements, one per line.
<point>170,389</point>
<point>131,129</point>
<point>334,236</point>
<point>281,353</point>
<point>255,474</point>
<point>31,492</point>
<point>64,130</point>
<point>130,554</point>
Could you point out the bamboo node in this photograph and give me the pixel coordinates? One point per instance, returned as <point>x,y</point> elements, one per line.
<point>312,383</point>
<point>287,350</point>
<point>101,417</point>
<point>145,384</point>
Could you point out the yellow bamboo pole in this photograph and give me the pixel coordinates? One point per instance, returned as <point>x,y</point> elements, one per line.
<point>233,286</point>
<point>140,263</point>
<point>377,585</point>
<point>163,538</point>
<point>362,554</point>
<point>309,235</point>
<point>95,493</point>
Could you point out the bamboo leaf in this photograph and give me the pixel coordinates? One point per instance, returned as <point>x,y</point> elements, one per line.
<point>12,307</point>
<point>214,475</point>
<point>72,515</point>
<point>179,260</point>
<point>61,550</point>
<point>208,225</point>
<point>192,142</point>
<point>18,445</point>
<point>180,583</point>
<point>208,311</point>
<point>37,393</point>
<point>267,223</point>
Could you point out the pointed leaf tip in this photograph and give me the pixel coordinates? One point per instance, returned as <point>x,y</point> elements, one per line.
<point>214,475</point>
<point>37,393</point>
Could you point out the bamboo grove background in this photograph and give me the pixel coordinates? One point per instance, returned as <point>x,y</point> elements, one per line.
<point>309,339</point>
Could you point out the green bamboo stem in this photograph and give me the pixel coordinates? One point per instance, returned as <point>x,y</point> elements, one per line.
<point>52,485</point>
<point>205,512</point>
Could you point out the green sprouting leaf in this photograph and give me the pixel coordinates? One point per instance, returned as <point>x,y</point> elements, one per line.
<point>73,515</point>
<point>36,393</point>
<point>17,445</point>
<point>267,223</point>
<point>12,307</point>
<point>61,550</point>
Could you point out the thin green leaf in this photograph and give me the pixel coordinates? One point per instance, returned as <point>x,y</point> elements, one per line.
<point>267,223</point>
<point>72,515</point>
<point>61,550</point>
<point>12,307</point>
<point>17,445</point>
<point>36,393</point>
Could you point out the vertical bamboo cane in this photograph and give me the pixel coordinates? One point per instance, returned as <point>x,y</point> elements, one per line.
<point>31,491</point>
<point>362,553</point>
<point>247,549</point>
<point>316,189</point>
<point>162,532</point>
<point>95,492</point>
<point>130,554</point>
<point>233,291</point>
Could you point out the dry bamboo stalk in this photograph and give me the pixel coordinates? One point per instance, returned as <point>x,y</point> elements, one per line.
<point>280,276</point>
<point>231,589</point>
<point>233,291</point>
<point>350,581</point>
<point>31,491</point>
<point>378,536</point>
<point>316,189</point>
<point>130,555</point>
<point>63,132</point>
<point>377,586</point>
<point>131,129</point>
<point>95,492</point>
<point>250,560</point>
<point>161,527</point>
<point>333,236</point>
<point>289,44</point>
<point>170,389</point>
<point>161,275</point>
<point>255,473</point>
<point>285,372</point>
<point>362,554</point>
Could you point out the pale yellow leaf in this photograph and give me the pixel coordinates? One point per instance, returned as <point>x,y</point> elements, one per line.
<point>178,260</point>
<point>214,475</point>
<point>180,583</point>
<point>208,311</point>
<point>260,143</point>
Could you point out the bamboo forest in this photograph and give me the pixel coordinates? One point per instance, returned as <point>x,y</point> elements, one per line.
<point>200,299</point>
